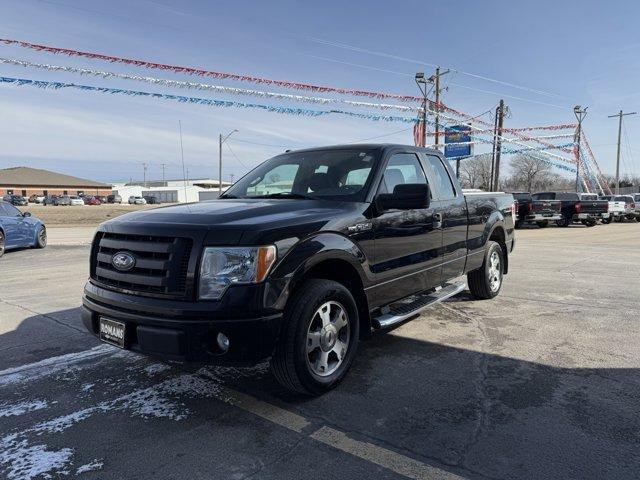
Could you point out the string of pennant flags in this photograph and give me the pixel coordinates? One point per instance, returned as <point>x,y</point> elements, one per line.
<point>520,138</point>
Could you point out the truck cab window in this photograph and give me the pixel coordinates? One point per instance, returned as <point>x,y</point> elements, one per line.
<point>402,168</point>
<point>441,185</point>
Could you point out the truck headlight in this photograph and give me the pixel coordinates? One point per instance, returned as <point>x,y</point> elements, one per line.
<point>224,266</point>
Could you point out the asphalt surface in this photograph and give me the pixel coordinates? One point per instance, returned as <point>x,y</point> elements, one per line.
<point>541,382</point>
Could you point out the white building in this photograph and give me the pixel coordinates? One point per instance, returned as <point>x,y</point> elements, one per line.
<point>172,191</point>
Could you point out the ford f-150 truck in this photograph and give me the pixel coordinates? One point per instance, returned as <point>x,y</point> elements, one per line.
<point>577,207</point>
<point>540,212</point>
<point>296,262</point>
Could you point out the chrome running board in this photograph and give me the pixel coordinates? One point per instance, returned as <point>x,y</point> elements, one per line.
<point>411,306</point>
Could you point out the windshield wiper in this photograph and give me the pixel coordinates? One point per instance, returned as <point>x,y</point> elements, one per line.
<point>286,195</point>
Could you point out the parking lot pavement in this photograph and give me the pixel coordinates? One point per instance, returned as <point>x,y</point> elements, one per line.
<point>70,235</point>
<point>541,382</point>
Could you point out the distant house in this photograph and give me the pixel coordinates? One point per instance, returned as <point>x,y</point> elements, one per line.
<point>27,181</point>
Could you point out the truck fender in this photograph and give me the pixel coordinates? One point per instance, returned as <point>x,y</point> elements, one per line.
<point>347,262</point>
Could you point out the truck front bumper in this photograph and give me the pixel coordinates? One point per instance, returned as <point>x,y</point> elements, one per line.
<point>182,338</point>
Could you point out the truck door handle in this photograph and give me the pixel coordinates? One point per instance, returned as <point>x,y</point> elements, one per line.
<point>437,220</point>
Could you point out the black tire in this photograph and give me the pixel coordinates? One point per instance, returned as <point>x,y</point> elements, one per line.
<point>41,237</point>
<point>565,222</point>
<point>543,223</point>
<point>606,221</point>
<point>589,223</point>
<point>479,281</point>
<point>2,243</point>
<point>291,362</point>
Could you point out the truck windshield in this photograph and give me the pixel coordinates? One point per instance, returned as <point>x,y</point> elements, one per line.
<point>336,174</point>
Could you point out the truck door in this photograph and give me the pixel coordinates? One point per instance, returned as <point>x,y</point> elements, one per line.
<point>451,207</point>
<point>407,242</point>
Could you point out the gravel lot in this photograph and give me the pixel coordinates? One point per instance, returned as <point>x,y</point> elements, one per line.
<point>541,382</point>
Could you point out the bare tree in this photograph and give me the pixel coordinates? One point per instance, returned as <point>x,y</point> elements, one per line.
<point>531,173</point>
<point>475,172</point>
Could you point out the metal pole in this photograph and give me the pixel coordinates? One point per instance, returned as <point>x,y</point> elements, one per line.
<point>424,119</point>
<point>437,85</point>
<point>619,115</point>
<point>499,145</point>
<point>163,165</point>
<point>493,148</point>
<point>220,168</point>
<point>580,113</point>
<point>578,136</point>
<point>618,153</point>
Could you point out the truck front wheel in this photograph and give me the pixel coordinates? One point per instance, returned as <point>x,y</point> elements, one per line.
<point>486,281</point>
<point>319,338</point>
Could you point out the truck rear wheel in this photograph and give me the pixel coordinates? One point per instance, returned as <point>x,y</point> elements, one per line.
<point>486,281</point>
<point>543,223</point>
<point>319,338</point>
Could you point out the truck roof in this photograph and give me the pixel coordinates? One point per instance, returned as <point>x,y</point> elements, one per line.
<point>369,146</point>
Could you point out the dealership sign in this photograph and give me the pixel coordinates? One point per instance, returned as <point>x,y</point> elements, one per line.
<point>457,139</point>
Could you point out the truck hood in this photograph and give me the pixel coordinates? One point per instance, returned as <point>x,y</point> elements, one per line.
<point>249,219</point>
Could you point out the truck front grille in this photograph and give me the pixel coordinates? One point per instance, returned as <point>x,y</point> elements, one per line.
<point>161,263</point>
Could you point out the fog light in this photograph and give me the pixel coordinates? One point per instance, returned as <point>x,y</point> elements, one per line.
<point>223,342</point>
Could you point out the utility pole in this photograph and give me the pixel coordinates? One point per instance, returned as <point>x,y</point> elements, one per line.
<point>222,140</point>
<point>144,175</point>
<point>435,79</point>
<point>580,113</point>
<point>620,114</point>
<point>498,137</point>
<point>422,85</point>
<point>163,165</point>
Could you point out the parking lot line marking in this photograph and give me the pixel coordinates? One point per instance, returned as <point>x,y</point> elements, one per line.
<point>280,416</point>
<point>393,461</point>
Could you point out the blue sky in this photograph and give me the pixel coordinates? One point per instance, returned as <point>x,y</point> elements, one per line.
<point>574,52</point>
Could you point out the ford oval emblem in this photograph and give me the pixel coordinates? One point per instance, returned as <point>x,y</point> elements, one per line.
<point>123,261</point>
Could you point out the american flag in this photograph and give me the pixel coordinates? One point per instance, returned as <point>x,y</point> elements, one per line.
<point>418,137</point>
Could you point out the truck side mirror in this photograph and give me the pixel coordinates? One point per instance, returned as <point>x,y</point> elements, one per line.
<point>405,196</point>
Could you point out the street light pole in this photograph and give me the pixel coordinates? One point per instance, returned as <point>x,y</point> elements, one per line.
<point>222,140</point>
<point>422,85</point>
<point>580,113</point>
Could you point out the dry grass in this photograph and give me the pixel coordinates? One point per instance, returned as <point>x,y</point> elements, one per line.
<point>87,215</point>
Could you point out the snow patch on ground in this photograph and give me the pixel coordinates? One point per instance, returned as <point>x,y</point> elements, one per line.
<point>8,410</point>
<point>30,461</point>
<point>89,467</point>
<point>51,365</point>
<point>22,456</point>
<point>156,368</point>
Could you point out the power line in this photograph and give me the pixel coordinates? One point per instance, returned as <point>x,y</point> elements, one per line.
<point>450,83</point>
<point>420,62</point>
<point>235,156</point>
<point>382,136</point>
<point>261,144</point>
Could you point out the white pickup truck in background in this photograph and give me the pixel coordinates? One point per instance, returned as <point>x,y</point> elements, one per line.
<point>621,207</point>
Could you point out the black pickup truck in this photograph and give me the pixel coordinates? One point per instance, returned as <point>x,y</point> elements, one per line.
<point>582,208</point>
<point>540,212</point>
<point>306,254</point>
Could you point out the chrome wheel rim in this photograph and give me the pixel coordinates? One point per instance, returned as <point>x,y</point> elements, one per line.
<point>328,338</point>
<point>494,271</point>
<point>42,237</point>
